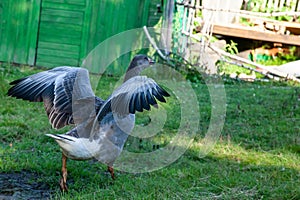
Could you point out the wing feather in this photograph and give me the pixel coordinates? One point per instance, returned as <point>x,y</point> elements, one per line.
<point>131,105</point>
<point>158,95</point>
<point>144,101</point>
<point>58,89</point>
<point>137,103</point>
<point>135,94</point>
<point>150,99</point>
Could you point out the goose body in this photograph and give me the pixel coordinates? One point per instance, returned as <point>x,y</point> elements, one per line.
<point>101,126</point>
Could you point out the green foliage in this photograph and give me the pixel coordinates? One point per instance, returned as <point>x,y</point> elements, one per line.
<point>232,47</point>
<point>187,69</point>
<point>227,69</point>
<point>258,6</point>
<point>281,58</point>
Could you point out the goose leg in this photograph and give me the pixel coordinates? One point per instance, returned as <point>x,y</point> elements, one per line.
<point>111,171</point>
<point>64,174</point>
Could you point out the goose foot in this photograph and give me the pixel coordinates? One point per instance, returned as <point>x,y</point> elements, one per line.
<point>111,171</point>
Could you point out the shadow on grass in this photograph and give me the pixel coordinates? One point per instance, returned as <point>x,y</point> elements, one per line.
<point>211,177</point>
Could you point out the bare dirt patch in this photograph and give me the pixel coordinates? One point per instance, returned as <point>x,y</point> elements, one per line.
<point>23,185</point>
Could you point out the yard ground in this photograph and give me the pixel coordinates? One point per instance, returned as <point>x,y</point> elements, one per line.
<point>256,157</point>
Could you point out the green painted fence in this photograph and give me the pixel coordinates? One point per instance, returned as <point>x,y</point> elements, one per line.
<point>62,32</point>
<point>18,30</point>
<point>70,29</point>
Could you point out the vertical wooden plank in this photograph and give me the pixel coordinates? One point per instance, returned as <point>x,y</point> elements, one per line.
<point>276,5</point>
<point>146,12</point>
<point>18,45</point>
<point>106,30</point>
<point>92,24</point>
<point>298,6</point>
<point>8,40</point>
<point>123,21</point>
<point>85,30</point>
<point>33,33</point>
<point>19,31</point>
<point>27,16</point>
<point>270,5</point>
<point>281,4</point>
<point>114,11</point>
<point>293,5</point>
<point>288,3</point>
<point>11,32</point>
<point>264,5</point>
<point>4,6</point>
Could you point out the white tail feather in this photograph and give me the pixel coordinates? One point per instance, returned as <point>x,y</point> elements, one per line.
<point>62,137</point>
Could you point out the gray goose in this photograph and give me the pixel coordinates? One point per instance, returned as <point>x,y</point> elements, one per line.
<point>101,126</point>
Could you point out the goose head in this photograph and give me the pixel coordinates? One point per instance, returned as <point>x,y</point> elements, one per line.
<point>138,64</point>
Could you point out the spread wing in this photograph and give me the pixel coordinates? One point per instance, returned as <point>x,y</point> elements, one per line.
<point>135,94</point>
<point>61,89</point>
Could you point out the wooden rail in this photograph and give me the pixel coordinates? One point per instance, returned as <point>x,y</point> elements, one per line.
<point>250,33</point>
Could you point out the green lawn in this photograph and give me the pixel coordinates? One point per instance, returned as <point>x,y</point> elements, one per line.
<point>256,157</point>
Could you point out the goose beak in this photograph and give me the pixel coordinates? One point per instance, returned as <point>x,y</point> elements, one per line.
<point>151,62</point>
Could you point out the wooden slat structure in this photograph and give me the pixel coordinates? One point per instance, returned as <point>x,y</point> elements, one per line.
<point>50,33</point>
<point>60,33</point>
<point>262,28</point>
<point>70,29</point>
<point>250,33</point>
<point>196,47</point>
<point>18,30</point>
<point>266,29</point>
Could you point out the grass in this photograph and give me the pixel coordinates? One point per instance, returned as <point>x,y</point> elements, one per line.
<point>256,157</point>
